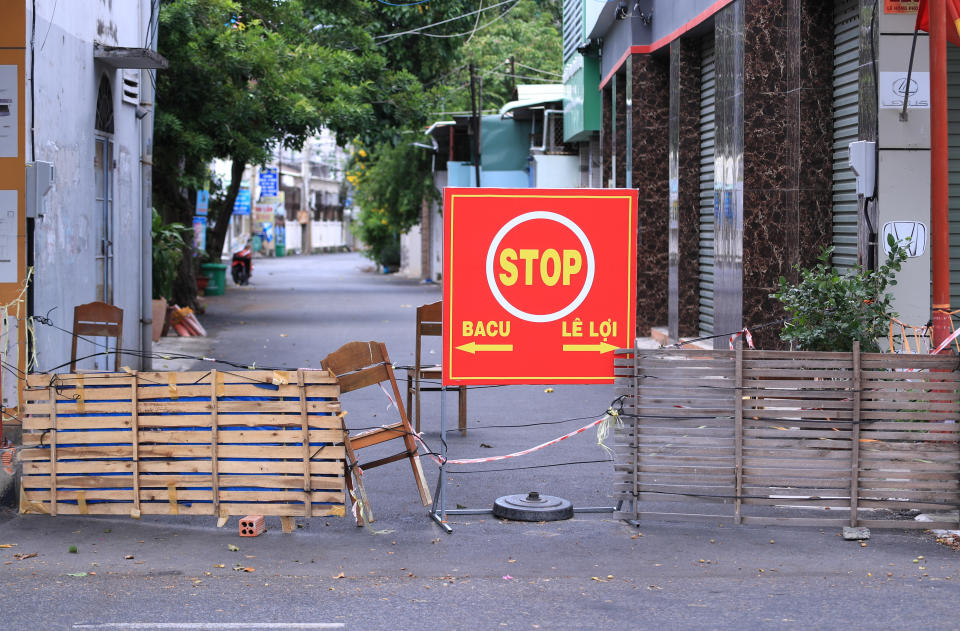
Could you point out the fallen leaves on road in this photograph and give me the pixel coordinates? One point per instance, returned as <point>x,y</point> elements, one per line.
<point>340,575</point>
<point>21,557</point>
<point>7,545</point>
<point>77,574</point>
<point>128,556</point>
<point>232,548</point>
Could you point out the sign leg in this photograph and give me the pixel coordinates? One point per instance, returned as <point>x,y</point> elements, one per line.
<point>440,516</point>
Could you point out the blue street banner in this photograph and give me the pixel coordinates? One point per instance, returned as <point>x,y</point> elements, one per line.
<point>200,233</point>
<point>203,202</point>
<point>269,182</point>
<point>242,204</point>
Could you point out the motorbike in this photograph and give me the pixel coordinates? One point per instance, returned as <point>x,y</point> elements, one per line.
<point>241,266</point>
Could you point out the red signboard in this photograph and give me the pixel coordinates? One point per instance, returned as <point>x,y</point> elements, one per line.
<point>539,285</point>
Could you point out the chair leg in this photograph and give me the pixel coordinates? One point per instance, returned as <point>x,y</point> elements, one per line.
<point>348,480</point>
<point>352,475</point>
<point>462,400</point>
<point>418,476</point>
<point>364,502</point>
<point>416,396</point>
<point>410,380</point>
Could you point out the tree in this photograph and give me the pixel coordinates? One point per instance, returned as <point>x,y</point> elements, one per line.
<point>240,76</point>
<point>390,193</point>
<point>248,75</point>
<point>394,180</point>
<point>520,44</point>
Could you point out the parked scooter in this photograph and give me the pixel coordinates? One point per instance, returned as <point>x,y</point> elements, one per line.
<point>241,267</point>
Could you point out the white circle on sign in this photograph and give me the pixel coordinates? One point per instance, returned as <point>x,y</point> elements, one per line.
<point>491,255</point>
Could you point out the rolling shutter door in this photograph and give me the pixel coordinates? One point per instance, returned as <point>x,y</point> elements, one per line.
<point>707,135</point>
<point>846,67</point>
<point>953,118</point>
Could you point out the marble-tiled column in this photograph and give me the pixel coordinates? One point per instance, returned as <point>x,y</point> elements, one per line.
<point>788,71</point>
<point>684,188</point>
<point>605,136</point>
<point>728,171</point>
<point>620,130</point>
<point>650,117</point>
<point>774,68</point>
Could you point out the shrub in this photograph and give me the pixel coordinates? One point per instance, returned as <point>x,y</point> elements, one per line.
<point>828,310</point>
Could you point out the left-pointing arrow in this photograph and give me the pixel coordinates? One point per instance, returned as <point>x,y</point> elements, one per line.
<point>602,347</point>
<point>473,347</point>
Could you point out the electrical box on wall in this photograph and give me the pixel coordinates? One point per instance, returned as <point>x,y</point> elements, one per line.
<point>863,161</point>
<point>39,183</point>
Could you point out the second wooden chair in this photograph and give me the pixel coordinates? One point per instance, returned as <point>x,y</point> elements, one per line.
<point>426,378</point>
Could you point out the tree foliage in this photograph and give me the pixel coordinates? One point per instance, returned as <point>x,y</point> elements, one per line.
<point>391,190</point>
<point>828,310</point>
<point>394,180</point>
<point>521,43</point>
<point>248,75</point>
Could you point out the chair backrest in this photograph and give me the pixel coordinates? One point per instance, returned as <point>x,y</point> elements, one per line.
<point>98,319</point>
<point>429,322</point>
<point>360,364</point>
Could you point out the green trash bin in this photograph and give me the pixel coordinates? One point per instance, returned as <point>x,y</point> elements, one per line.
<point>217,273</point>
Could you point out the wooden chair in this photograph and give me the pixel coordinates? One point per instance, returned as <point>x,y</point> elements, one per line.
<point>358,365</point>
<point>430,322</point>
<point>97,319</point>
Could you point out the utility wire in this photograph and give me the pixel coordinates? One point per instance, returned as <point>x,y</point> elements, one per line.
<point>490,23</point>
<point>555,74</point>
<point>475,24</point>
<point>416,31</point>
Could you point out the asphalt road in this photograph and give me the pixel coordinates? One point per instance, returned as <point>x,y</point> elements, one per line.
<point>586,573</point>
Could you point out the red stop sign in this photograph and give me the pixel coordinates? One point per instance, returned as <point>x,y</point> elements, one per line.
<point>539,285</point>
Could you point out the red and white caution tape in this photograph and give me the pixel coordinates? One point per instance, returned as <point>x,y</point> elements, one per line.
<point>746,335</point>
<point>946,342</point>
<point>516,454</point>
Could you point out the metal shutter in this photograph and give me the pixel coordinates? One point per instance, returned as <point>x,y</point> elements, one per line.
<point>846,68</point>
<point>953,118</point>
<point>707,159</point>
<point>572,27</point>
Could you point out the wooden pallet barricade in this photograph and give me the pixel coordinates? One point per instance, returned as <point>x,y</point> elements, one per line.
<point>216,443</point>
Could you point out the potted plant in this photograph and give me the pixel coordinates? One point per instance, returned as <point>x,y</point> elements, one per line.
<point>168,247</point>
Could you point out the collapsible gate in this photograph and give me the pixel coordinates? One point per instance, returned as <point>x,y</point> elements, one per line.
<point>797,438</point>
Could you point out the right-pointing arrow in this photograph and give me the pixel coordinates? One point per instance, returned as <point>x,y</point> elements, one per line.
<point>602,347</point>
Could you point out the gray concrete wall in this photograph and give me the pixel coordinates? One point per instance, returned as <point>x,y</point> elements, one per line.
<point>64,97</point>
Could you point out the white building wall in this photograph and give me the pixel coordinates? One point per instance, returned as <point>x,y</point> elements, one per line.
<point>410,253</point>
<point>326,234</point>
<point>64,96</point>
<point>556,171</point>
<point>293,236</point>
<point>903,184</point>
